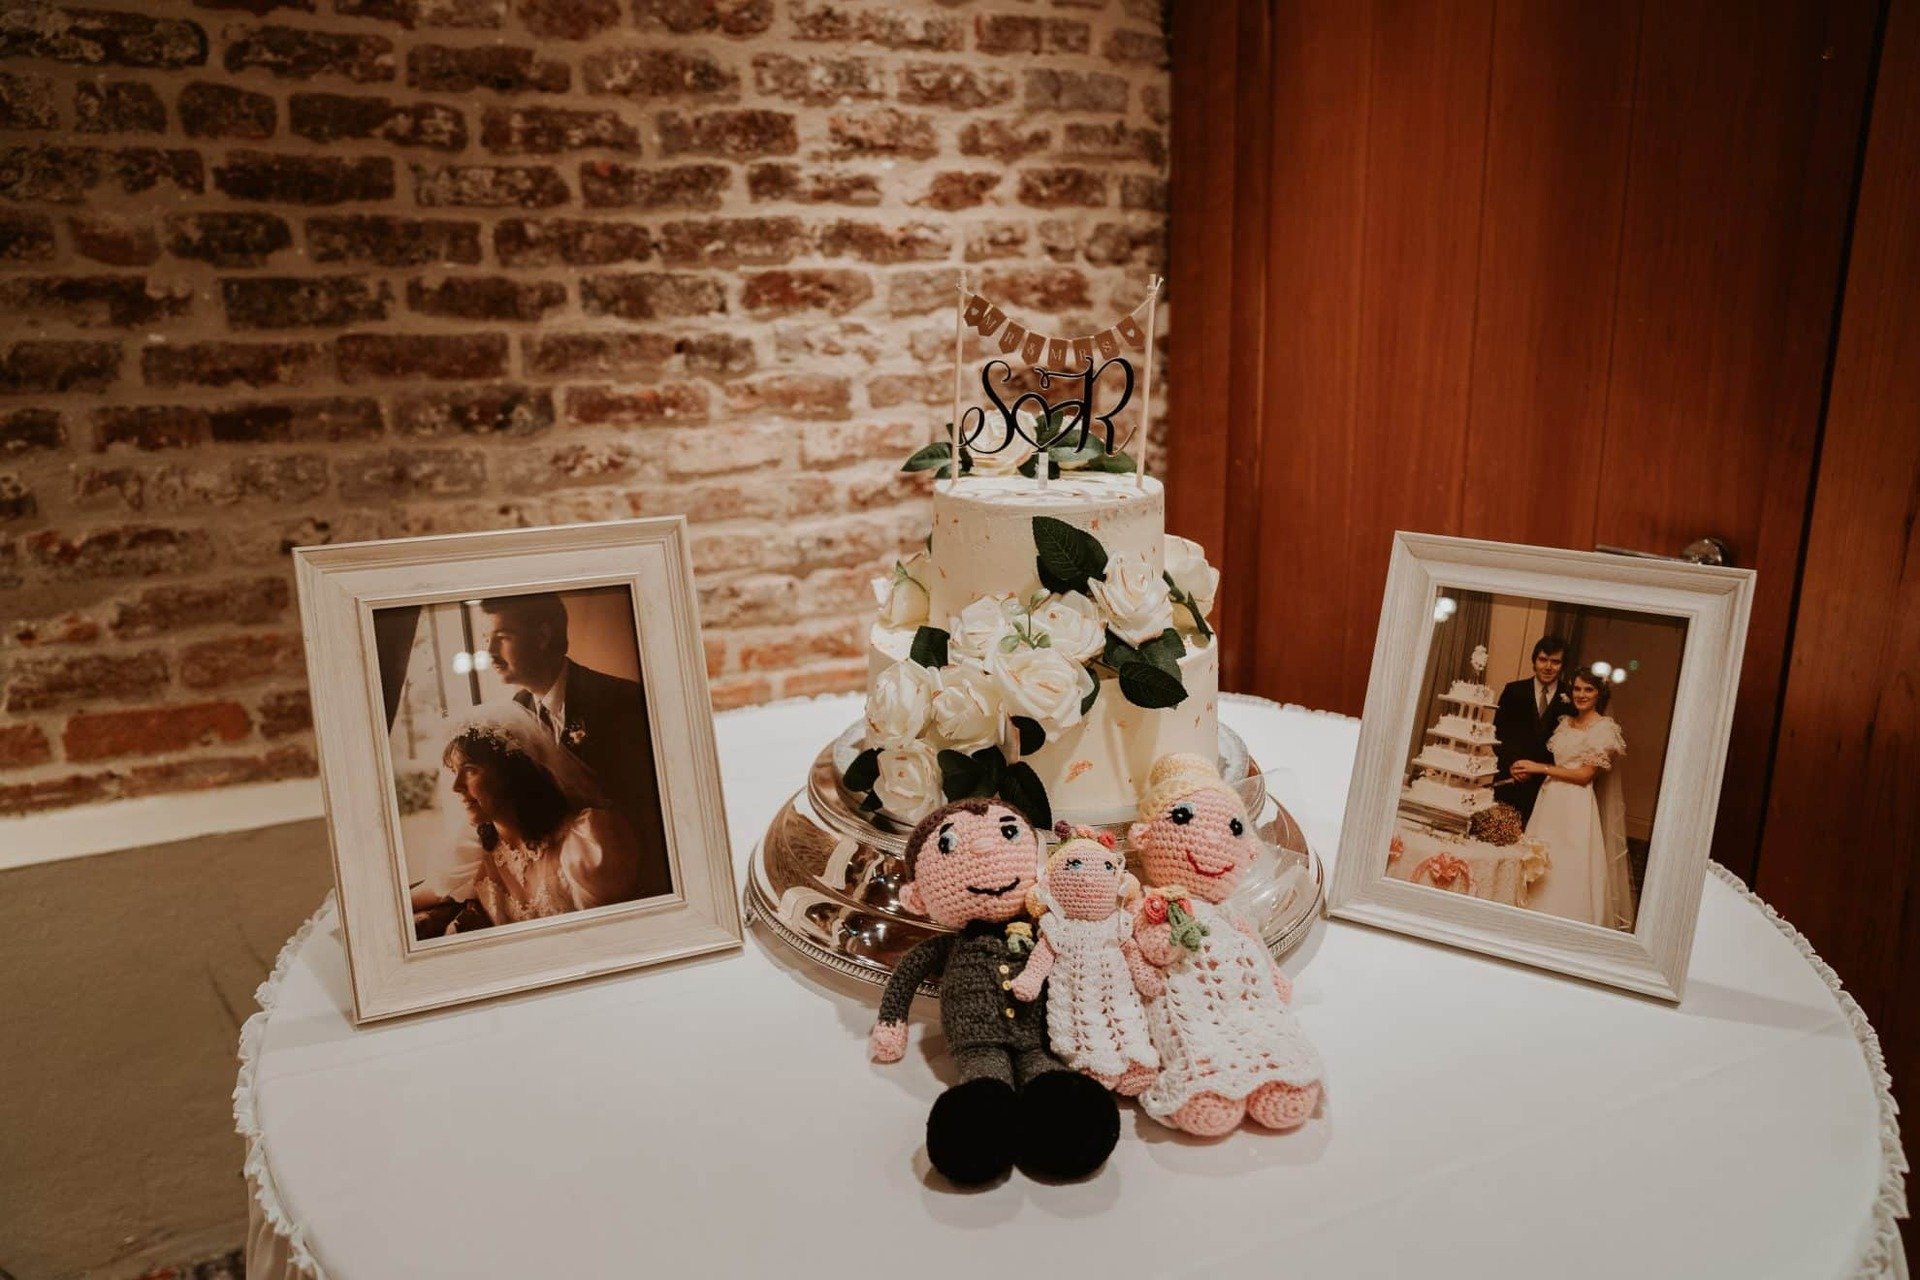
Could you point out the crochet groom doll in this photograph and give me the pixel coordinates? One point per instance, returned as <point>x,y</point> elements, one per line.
<point>970,866</point>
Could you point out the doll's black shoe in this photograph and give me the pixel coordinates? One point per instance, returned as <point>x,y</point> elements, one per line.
<point>1068,1124</point>
<point>970,1136</point>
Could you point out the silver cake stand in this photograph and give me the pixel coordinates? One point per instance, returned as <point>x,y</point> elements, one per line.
<point>825,879</point>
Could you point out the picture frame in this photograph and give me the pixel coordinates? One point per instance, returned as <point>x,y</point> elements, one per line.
<point>1416,773</point>
<point>632,864</point>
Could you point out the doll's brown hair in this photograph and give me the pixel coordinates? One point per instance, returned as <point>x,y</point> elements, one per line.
<point>924,830</point>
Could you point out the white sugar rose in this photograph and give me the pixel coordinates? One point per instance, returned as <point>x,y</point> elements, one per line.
<point>1074,624</point>
<point>900,701</point>
<point>902,594</point>
<point>1006,461</point>
<point>1042,684</point>
<point>979,626</point>
<point>909,781</point>
<point>966,712</point>
<point>1187,566</point>
<point>1134,598</point>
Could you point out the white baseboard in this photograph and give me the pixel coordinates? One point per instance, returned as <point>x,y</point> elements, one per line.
<point>85,830</point>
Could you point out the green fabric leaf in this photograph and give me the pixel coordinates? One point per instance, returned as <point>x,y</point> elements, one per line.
<point>1118,652</point>
<point>937,454</point>
<point>1068,557</point>
<point>864,771</point>
<point>929,647</point>
<point>1182,598</point>
<point>958,774</point>
<point>1088,457</point>
<point>1032,736</point>
<point>1021,787</point>
<point>1165,651</point>
<point>991,765</point>
<point>1116,463</point>
<point>1093,696</point>
<point>1146,685</point>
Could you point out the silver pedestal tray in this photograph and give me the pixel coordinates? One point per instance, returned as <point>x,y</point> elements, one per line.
<point>826,877</point>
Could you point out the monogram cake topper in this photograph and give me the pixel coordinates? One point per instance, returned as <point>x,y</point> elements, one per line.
<point>1060,396</point>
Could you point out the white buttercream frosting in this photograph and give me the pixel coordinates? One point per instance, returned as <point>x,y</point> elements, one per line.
<point>983,531</point>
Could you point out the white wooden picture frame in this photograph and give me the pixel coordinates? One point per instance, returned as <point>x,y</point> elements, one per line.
<point>340,588</point>
<point>1714,602</point>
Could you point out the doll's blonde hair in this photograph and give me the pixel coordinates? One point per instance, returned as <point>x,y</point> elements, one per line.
<point>1073,840</point>
<point>1177,776</point>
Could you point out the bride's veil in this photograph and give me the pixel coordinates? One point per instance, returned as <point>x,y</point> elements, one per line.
<point>519,730</point>
<point>1611,797</point>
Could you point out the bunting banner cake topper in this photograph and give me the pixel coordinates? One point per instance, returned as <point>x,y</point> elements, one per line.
<point>1060,395</point>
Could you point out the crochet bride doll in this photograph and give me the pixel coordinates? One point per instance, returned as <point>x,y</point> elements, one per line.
<point>1228,1046</point>
<point>1095,1021</point>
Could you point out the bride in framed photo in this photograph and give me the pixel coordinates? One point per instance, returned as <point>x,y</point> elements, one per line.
<point>540,838</point>
<point>1581,814</point>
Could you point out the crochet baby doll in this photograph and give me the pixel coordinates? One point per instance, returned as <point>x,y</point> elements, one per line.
<point>1093,969</point>
<point>970,866</point>
<point>1228,1046</point>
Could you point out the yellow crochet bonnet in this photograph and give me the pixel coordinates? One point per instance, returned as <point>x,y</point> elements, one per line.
<point>1180,775</point>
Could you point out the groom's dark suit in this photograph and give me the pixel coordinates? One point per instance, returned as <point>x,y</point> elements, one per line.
<point>607,731</point>
<point>1523,730</point>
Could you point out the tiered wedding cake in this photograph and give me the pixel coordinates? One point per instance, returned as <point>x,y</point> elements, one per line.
<point>1457,765</point>
<point>1052,639</point>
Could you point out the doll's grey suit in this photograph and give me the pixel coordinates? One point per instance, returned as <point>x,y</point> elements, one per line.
<point>989,1033</point>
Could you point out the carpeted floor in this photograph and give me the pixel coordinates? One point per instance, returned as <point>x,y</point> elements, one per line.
<point>225,1266</point>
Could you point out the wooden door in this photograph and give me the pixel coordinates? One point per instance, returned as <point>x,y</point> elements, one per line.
<point>1841,852</point>
<point>1563,272</point>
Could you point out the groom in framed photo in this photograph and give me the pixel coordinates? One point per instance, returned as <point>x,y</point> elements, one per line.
<point>1530,710</point>
<point>600,718</point>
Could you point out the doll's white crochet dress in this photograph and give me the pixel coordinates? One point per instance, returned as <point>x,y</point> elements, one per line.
<point>1220,1027</point>
<point>1095,1020</point>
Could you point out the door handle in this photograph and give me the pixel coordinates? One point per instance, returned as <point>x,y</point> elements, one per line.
<point>1710,549</point>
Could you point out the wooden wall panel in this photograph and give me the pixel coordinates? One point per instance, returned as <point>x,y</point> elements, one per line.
<point>1420,246</point>
<point>1841,854</point>
<point>1220,192</point>
<point>1201,286</point>
<point>1558,129</point>
<point>1740,178</point>
<point>1297,503</point>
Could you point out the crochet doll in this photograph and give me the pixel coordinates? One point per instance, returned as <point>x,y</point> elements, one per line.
<point>1093,969</point>
<point>1228,1046</point>
<point>970,866</point>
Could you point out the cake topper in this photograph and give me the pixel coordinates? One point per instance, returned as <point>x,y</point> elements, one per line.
<point>1479,660</point>
<point>1075,430</point>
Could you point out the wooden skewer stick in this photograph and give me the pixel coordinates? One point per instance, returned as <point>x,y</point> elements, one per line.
<point>1146,391</point>
<point>953,460</point>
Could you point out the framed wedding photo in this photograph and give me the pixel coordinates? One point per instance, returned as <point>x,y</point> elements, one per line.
<point>1541,754</point>
<point>517,752</point>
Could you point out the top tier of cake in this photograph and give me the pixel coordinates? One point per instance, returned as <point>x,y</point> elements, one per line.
<point>1468,693</point>
<point>983,530</point>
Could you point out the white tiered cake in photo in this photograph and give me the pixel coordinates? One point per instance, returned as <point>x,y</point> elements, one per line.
<point>1057,625</point>
<point>1458,764</point>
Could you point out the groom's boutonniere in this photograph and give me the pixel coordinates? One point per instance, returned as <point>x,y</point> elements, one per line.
<point>574,735</point>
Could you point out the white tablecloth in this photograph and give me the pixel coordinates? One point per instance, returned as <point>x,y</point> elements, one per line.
<point>719,1117</point>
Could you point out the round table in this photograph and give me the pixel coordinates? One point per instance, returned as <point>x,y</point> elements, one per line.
<point>719,1117</point>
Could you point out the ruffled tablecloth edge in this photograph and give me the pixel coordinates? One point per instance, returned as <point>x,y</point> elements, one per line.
<point>1883,1256</point>
<point>277,1248</point>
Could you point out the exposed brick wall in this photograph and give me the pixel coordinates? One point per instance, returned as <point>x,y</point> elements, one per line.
<point>277,272</point>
